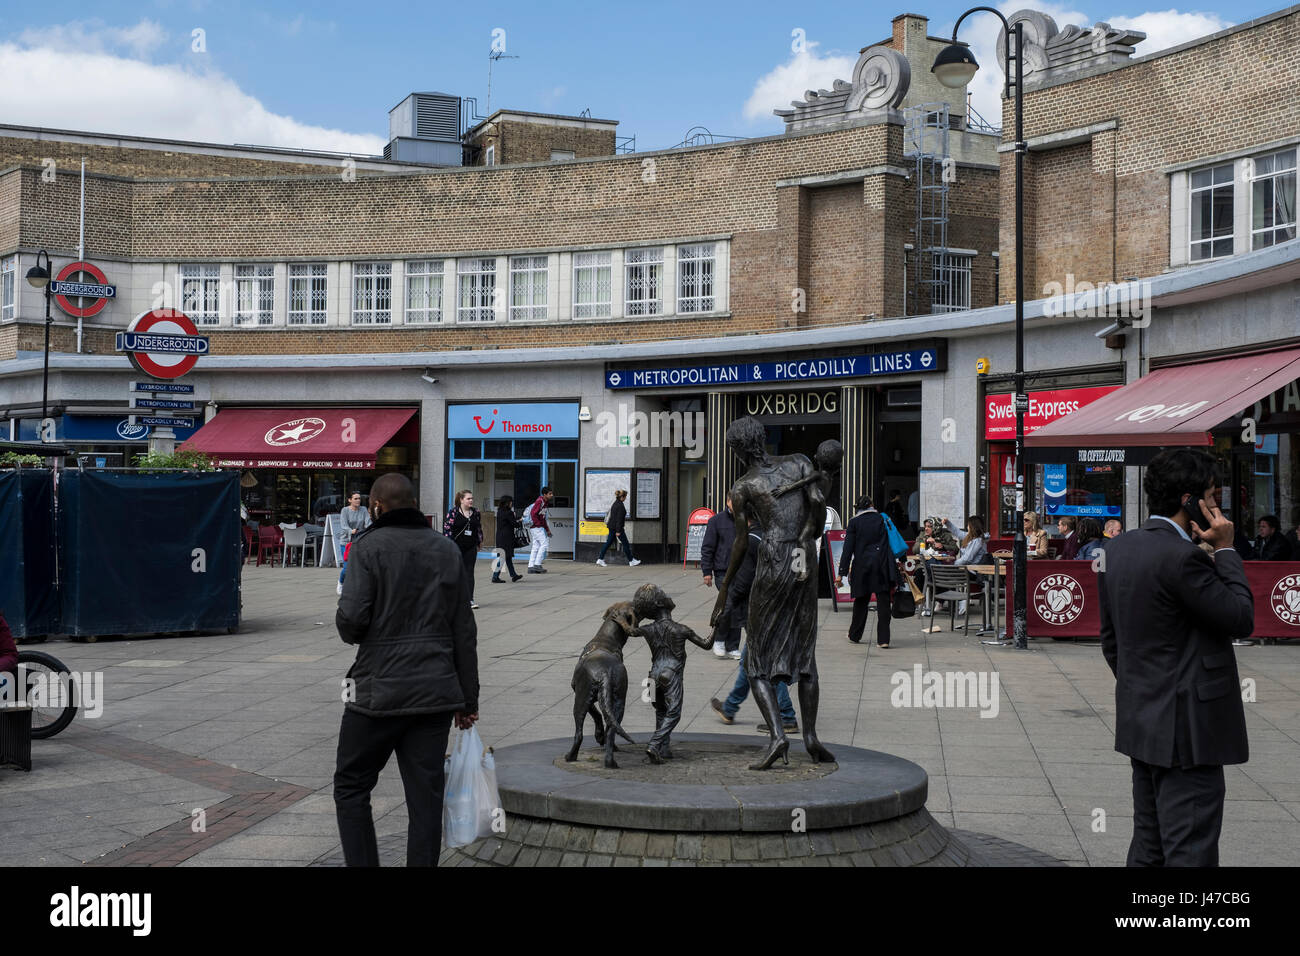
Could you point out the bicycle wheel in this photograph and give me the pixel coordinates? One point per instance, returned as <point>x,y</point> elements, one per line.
<point>49,683</point>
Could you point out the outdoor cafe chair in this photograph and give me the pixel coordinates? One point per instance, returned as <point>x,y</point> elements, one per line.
<point>314,538</point>
<point>294,538</point>
<point>954,584</point>
<point>269,542</point>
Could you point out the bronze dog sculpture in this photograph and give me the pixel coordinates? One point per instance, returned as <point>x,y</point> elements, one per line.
<point>600,682</point>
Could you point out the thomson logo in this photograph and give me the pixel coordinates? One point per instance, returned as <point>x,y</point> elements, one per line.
<point>76,909</point>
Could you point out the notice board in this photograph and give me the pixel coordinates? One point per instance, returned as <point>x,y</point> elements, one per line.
<point>943,493</point>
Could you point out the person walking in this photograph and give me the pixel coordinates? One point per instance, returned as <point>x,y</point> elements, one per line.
<point>615,521</point>
<point>539,530</point>
<point>464,525</point>
<point>737,610</point>
<point>896,511</point>
<point>507,524</point>
<point>353,519</point>
<point>871,569</point>
<point>715,555</point>
<point>1169,612</point>
<point>406,607</point>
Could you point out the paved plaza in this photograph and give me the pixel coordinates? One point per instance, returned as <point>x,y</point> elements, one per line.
<point>245,726</point>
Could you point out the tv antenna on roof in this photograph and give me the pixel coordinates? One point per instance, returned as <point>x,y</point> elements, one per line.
<point>493,56</point>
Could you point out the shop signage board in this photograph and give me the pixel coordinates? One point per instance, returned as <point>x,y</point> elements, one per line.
<point>1041,408</point>
<point>1056,499</point>
<point>163,343</point>
<point>835,543</point>
<point>172,388</point>
<point>161,422</point>
<point>792,370</point>
<point>161,403</point>
<point>503,420</point>
<point>84,282</point>
<point>696,525</point>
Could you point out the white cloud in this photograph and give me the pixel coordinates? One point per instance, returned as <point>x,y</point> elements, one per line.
<point>100,90</point>
<point>1164,29</point>
<point>804,71</point>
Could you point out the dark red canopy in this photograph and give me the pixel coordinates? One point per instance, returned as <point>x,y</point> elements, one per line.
<point>298,437</point>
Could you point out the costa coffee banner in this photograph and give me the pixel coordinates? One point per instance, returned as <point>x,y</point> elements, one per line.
<point>1063,599</point>
<point>1044,408</point>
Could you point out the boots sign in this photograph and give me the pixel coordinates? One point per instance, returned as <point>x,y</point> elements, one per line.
<point>163,343</point>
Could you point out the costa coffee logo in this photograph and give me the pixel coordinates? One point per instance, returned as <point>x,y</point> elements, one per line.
<point>1285,600</point>
<point>294,432</point>
<point>1058,599</point>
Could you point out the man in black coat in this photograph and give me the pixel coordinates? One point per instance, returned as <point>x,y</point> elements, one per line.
<point>874,570</point>
<point>715,556</point>
<point>1271,545</point>
<point>406,605</point>
<point>1169,613</point>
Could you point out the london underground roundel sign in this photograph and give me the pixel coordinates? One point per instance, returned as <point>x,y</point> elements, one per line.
<point>87,284</point>
<point>163,343</point>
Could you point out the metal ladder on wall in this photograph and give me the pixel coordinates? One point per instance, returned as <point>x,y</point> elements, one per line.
<point>927,145</point>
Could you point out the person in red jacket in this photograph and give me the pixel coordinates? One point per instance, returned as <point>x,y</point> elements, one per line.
<point>8,655</point>
<point>539,530</point>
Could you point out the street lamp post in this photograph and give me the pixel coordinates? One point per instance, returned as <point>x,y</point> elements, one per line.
<point>39,278</point>
<point>955,67</point>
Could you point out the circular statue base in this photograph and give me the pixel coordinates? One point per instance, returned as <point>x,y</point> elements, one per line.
<point>706,807</point>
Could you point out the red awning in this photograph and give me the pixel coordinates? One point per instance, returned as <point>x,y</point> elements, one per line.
<point>1173,406</point>
<point>298,437</point>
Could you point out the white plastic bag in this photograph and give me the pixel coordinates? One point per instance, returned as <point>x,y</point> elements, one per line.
<point>470,799</point>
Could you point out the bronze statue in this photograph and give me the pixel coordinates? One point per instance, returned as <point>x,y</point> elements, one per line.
<point>787,495</point>
<point>600,682</point>
<point>667,640</point>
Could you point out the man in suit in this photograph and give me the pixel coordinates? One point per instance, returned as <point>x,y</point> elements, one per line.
<point>871,569</point>
<point>1069,540</point>
<point>1169,613</point>
<point>1271,545</point>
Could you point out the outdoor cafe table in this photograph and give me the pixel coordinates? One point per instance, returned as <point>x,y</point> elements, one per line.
<point>993,571</point>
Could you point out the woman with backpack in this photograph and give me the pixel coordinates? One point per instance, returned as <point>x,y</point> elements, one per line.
<point>508,527</point>
<point>464,526</point>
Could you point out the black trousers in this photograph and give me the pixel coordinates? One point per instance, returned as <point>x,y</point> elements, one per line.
<point>365,744</point>
<point>469,556</point>
<point>730,628</point>
<point>859,623</point>
<point>1177,815</point>
<point>509,564</point>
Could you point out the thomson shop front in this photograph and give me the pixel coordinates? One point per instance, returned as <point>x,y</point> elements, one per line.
<point>516,449</point>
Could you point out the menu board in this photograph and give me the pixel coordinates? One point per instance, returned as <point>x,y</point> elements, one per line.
<point>943,493</point>
<point>647,492</point>
<point>696,525</point>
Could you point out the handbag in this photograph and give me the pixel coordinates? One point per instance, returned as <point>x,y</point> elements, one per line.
<point>904,604</point>
<point>521,537</point>
<point>896,543</point>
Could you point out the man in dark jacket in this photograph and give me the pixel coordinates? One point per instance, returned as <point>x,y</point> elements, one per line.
<point>1271,545</point>
<point>871,569</point>
<point>715,555</point>
<point>406,604</point>
<point>1169,613</point>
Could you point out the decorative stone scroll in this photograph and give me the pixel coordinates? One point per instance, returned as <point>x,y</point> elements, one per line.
<point>881,79</point>
<point>1052,52</point>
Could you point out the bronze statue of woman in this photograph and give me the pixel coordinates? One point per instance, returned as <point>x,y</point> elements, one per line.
<point>787,495</point>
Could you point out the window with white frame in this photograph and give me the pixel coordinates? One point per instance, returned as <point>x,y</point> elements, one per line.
<point>644,271</point>
<point>424,291</point>
<point>528,278</point>
<point>1210,208</point>
<point>308,293</point>
<point>8,288</point>
<point>490,156</point>
<point>1272,216</point>
<point>372,293</point>
<point>255,295</point>
<point>695,269</point>
<point>201,293</point>
<point>951,283</point>
<point>476,290</point>
<point>593,285</point>
<point>561,154</point>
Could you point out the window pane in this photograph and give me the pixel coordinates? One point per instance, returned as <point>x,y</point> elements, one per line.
<point>562,448</point>
<point>466,449</point>
<point>528,448</point>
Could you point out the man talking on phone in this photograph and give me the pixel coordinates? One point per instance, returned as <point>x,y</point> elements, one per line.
<point>1169,614</point>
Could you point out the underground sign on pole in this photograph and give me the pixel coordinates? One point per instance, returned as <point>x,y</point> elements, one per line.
<point>162,343</point>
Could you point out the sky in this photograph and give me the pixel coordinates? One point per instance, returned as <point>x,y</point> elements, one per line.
<point>325,76</point>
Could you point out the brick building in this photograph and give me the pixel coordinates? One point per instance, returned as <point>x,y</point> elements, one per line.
<point>780,276</point>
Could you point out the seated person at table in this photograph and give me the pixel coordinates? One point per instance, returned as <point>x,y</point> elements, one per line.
<point>1271,545</point>
<point>1092,542</point>
<point>974,549</point>
<point>1114,528</point>
<point>1035,536</point>
<point>934,534</point>
<point>1069,540</point>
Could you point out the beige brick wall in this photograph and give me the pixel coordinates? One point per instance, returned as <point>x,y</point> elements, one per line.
<point>1101,210</point>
